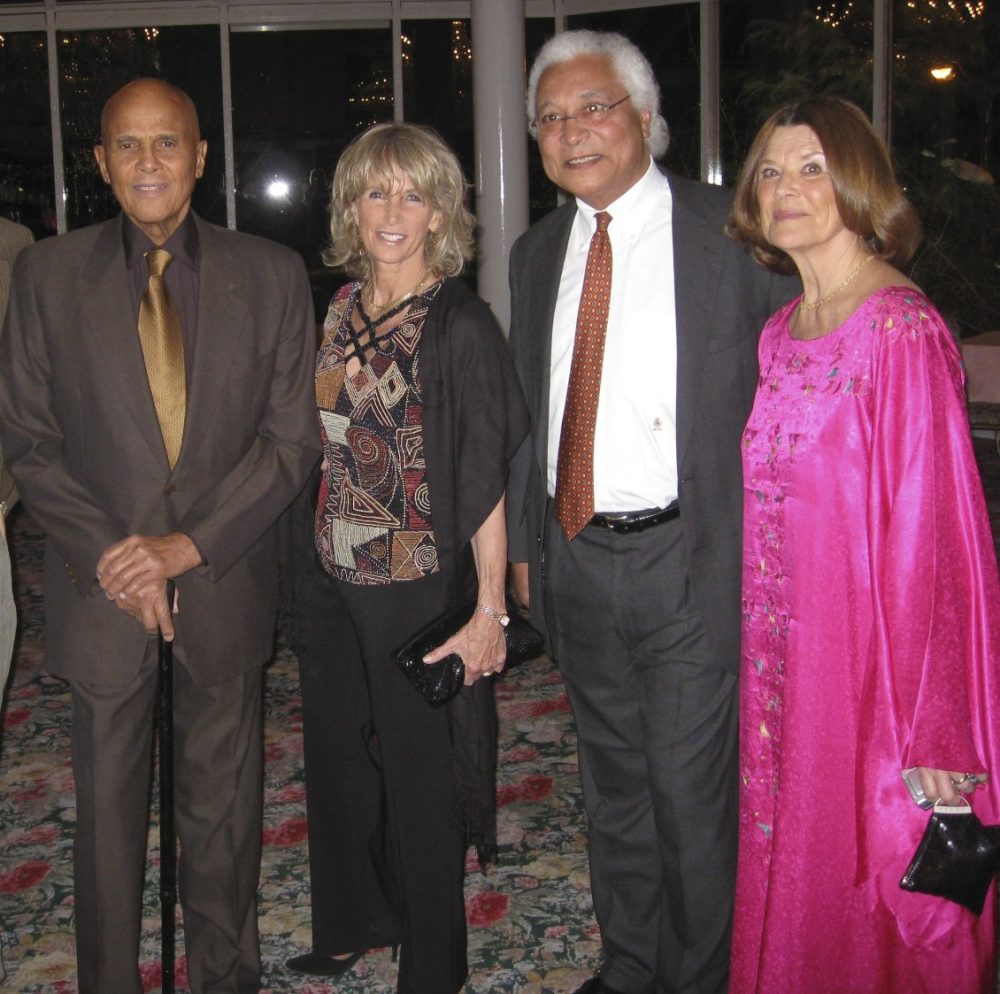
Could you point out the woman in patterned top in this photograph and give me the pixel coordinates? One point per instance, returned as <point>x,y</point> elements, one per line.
<point>870,637</point>
<point>420,412</point>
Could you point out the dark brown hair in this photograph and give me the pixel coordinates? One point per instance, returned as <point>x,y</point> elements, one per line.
<point>868,197</point>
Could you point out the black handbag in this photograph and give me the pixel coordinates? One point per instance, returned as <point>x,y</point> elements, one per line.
<point>439,682</point>
<point>957,858</point>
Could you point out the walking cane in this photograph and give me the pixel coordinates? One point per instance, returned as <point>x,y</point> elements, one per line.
<point>168,862</point>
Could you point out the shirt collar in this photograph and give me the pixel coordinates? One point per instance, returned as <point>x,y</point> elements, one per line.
<point>629,213</point>
<point>183,244</point>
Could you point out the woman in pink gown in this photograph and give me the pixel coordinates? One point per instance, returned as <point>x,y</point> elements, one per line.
<point>869,577</point>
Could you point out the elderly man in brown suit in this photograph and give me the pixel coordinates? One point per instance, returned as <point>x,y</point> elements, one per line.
<point>136,483</point>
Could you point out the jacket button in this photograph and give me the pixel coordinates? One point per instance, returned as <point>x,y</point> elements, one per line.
<point>169,489</point>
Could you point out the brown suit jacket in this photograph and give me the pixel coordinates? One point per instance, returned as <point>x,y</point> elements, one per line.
<point>81,437</point>
<point>13,238</point>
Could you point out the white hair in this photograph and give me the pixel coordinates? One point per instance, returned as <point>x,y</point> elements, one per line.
<point>629,64</point>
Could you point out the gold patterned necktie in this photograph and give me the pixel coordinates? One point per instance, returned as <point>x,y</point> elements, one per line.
<point>163,352</point>
<point>575,466</point>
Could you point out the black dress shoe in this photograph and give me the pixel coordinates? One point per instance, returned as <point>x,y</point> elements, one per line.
<point>316,965</point>
<point>596,986</point>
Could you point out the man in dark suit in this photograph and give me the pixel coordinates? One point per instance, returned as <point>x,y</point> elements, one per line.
<point>627,531</point>
<point>125,509</point>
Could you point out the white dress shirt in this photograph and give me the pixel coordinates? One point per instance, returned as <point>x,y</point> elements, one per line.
<point>635,448</point>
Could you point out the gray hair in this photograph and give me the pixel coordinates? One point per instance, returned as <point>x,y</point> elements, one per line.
<point>629,64</point>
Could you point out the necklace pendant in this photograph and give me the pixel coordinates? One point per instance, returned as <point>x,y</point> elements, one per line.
<point>817,304</point>
<point>377,310</point>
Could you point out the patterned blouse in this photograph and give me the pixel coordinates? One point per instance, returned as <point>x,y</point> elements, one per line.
<point>373,518</point>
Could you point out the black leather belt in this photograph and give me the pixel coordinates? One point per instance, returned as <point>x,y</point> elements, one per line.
<point>636,521</point>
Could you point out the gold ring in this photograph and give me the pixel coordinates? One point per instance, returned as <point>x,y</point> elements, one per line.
<point>960,780</point>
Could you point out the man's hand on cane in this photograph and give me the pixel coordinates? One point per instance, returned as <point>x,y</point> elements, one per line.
<point>134,571</point>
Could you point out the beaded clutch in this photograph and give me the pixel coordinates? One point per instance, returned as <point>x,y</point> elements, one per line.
<point>957,858</point>
<point>439,682</point>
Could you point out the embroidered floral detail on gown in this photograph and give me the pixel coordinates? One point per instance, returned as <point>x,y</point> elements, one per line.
<point>869,576</point>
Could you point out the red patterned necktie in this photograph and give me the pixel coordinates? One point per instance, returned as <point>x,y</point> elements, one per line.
<point>163,352</point>
<point>575,467</point>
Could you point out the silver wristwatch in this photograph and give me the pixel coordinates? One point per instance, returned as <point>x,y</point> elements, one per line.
<point>501,619</point>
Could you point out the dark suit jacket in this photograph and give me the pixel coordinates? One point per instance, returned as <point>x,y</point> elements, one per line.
<point>722,299</point>
<point>81,437</point>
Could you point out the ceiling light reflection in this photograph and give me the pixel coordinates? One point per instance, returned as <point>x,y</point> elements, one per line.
<point>278,189</point>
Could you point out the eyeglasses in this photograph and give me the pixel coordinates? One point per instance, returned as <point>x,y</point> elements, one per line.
<point>590,113</point>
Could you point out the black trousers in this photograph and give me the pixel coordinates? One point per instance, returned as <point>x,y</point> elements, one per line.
<point>386,851</point>
<point>657,727</point>
<point>350,905</point>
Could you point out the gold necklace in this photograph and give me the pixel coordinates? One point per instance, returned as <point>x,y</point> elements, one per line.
<point>816,305</point>
<point>378,309</point>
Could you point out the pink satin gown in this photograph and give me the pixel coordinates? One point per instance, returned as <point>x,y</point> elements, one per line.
<point>870,644</point>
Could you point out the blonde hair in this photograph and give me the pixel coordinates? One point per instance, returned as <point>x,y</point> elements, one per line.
<point>373,158</point>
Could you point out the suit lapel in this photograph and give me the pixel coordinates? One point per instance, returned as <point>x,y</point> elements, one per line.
<point>549,273</point>
<point>696,271</point>
<point>222,318</point>
<point>108,319</point>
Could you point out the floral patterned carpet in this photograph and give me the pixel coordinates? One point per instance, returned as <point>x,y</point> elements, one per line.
<point>531,922</point>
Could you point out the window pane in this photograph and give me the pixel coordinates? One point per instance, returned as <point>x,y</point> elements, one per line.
<point>94,64</point>
<point>945,144</point>
<point>437,83</point>
<point>668,37</point>
<point>772,57</point>
<point>298,98</point>
<point>26,189</point>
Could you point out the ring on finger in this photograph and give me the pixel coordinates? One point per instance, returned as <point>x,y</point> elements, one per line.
<point>961,780</point>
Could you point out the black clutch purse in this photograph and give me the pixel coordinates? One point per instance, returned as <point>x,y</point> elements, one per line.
<point>957,858</point>
<point>439,682</point>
